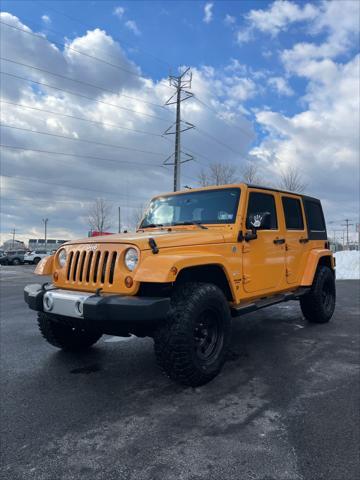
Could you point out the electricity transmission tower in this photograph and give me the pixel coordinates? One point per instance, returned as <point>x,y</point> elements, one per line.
<point>182,83</point>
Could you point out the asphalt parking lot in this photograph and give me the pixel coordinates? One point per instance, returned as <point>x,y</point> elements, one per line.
<point>285,407</point>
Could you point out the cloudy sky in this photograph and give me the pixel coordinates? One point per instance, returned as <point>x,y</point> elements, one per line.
<point>83,87</point>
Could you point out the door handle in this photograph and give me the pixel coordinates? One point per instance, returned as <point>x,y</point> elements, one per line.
<point>303,240</point>
<point>279,241</point>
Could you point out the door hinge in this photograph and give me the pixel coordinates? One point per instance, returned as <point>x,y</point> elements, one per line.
<point>246,278</point>
<point>287,272</point>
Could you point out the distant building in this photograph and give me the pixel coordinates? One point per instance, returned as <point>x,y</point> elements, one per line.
<point>13,245</point>
<point>39,244</point>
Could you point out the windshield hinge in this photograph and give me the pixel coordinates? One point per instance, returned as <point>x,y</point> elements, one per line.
<point>153,246</point>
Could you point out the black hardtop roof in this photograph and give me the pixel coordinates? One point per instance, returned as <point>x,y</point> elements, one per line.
<point>262,187</point>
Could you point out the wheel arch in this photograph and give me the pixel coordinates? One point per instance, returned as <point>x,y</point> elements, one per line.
<point>211,273</point>
<point>316,258</point>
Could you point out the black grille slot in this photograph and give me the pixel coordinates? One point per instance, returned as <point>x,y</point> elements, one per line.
<point>97,261</point>
<point>69,265</point>
<point>89,267</point>
<point>112,268</point>
<point>76,261</point>
<point>103,270</point>
<point>81,266</point>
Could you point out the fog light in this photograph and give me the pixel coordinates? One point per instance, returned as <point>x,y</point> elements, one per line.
<point>129,282</point>
<point>48,302</point>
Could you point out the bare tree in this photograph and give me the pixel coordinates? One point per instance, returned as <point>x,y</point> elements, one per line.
<point>250,173</point>
<point>292,180</point>
<point>217,173</point>
<point>99,215</point>
<point>137,215</point>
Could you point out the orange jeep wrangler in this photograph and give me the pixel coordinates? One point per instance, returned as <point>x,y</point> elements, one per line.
<point>198,259</point>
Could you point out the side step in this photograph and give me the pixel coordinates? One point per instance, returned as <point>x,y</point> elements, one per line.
<point>267,302</point>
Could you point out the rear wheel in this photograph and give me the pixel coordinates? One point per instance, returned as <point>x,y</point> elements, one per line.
<point>319,304</point>
<point>191,345</point>
<point>16,261</point>
<point>66,337</point>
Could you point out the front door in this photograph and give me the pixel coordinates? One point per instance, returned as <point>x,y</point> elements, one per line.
<point>295,236</point>
<point>264,257</point>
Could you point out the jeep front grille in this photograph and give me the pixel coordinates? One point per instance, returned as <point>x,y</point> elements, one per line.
<point>88,267</point>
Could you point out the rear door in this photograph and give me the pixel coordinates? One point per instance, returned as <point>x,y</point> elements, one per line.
<point>295,237</point>
<point>264,257</point>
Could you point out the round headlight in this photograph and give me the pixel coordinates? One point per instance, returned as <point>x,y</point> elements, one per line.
<point>62,257</point>
<point>131,259</point>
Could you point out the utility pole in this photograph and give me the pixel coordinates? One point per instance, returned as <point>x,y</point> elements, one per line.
<point>13,238</point>
<point>181,83</point>
<point>347,225</point>
<point>119,219</point>
<point>45,220</point>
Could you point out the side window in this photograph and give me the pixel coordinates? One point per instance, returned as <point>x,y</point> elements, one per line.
<point>293,214</point>
<point>260,203</point>
<point>315,216</point>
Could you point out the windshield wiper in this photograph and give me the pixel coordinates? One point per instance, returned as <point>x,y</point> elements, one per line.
<point>152,225</point>
<point>198,224</point>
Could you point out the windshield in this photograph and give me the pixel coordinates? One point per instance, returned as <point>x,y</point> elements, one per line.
<point>206,206</point>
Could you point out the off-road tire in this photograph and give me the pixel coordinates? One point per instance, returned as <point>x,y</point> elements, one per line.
<point>178,343</point>
<point>16,261</point>
<point>64,336</point>
<point>319,304</point>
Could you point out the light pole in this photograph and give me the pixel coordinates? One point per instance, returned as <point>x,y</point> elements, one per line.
<point>45,220</point>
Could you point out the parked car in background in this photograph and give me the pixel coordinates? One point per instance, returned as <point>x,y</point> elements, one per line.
<point>35,256</point>
<point>12,257</point>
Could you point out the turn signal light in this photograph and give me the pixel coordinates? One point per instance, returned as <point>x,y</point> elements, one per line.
<point>129,282</point>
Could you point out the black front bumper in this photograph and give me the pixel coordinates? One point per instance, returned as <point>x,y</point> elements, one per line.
<point>111,314</point>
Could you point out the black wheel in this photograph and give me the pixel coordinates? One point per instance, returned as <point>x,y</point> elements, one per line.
<point>64,336</point>
<point>191,345</point>
<point>36,260</point>
<point>319,304</point>
<point>16,261</point>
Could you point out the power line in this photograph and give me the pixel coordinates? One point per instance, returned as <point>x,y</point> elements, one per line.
<point>72,49</point>
<point>35,180</point>
<point>87,25</point>
<point>216,112</point>
<point>81,82</point>
<point>91,157</point>
<point>82,96</point>
<point>81,140</point>
<point>225,145</point>
<point>113,125</point>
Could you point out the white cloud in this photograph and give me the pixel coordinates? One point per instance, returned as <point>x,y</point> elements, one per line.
<point>279,15</point>
<point>132,26</point>
<point>229,20</point>
<point>281,86</point>
<point>46,19</point>
<point>124,177</point>
<point>119,11</point>
<point>321,140</point>
<point>208,13</point>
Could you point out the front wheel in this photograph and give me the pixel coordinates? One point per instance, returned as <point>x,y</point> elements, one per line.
<point>191,345</point>
<point>64,336</point>
<point>36,260</point>
<point>319,304</point>
<point>16,261</point>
